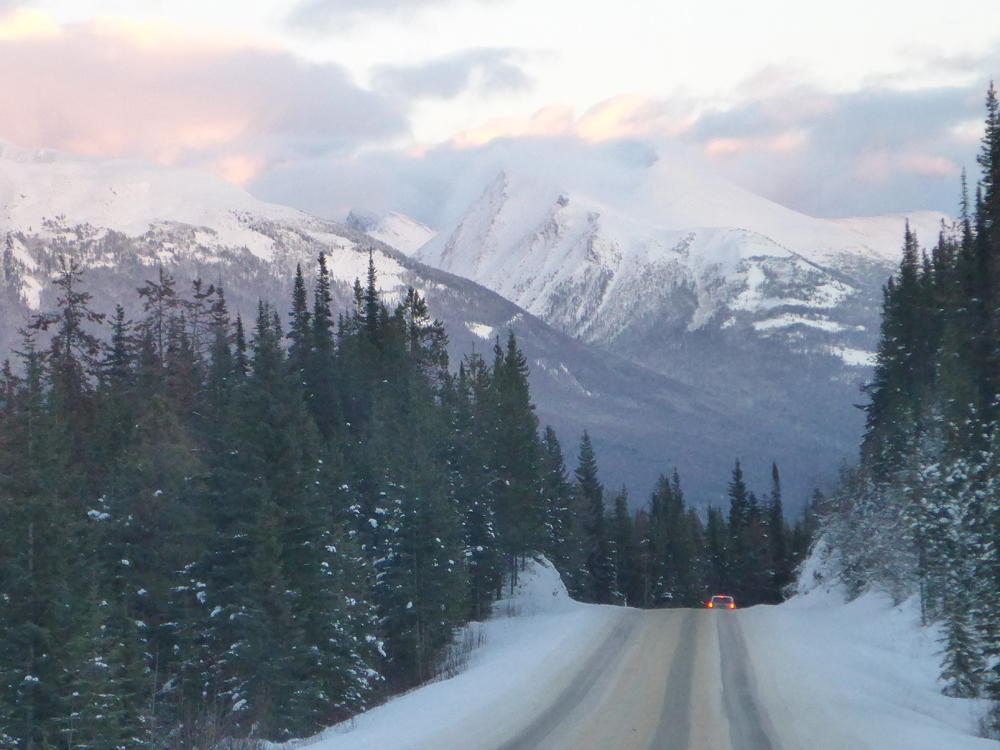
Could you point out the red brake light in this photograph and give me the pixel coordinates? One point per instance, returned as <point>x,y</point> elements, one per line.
<point>710,605</point>
<point>732,605</point>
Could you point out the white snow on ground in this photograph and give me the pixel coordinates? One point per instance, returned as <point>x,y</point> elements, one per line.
<point>861,675</point>
<point>833,675</point>
<point>532,646</point>
<point>481,330</point>
<point>856,357</point>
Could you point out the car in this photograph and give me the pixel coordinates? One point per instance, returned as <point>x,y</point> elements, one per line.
<point>720,601</point>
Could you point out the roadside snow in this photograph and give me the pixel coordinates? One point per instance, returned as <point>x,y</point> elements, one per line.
<point>530,651</point>
<point>832,675</point>
<point>859,675</point>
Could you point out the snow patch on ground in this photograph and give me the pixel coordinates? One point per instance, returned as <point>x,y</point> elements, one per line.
<point>481,330</point>
<point>855,357</point>
<point>787,320</point>
<point>529,651</point>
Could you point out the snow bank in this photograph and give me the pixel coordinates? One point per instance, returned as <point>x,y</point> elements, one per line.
<point>860,674</point>
<point>529,650</point>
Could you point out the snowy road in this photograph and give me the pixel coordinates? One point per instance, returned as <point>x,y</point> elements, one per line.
<point>554,674</point>
<point>657,681</point>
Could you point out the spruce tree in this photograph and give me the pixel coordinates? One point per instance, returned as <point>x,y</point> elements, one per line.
<point>778,536</point>
<point>564,544</point>
<point>589,500</point>
<point>299,330</point>
<point>516,457</point>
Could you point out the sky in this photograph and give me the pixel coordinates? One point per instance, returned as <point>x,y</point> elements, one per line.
<point>833,109</point>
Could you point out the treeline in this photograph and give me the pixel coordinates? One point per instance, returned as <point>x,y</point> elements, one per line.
<point>666,556</point>
<point>210,530</point>
<point>921,515</point>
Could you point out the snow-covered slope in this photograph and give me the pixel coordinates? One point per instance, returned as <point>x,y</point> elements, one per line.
<point>42,190</point>
<point>682,251</point>
<point>860,674</point>
<point>396,230</point>
<point>514,660</point>
<point>92,209</point>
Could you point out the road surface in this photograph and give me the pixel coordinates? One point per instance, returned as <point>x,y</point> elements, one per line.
<point>811,674</point>
<point>660,680</point>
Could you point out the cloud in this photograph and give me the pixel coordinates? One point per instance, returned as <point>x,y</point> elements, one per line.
<point>327,15</point>
<point>871,151</point>
<point>437,185</point>
<point>484,71</point>
<point>152,91</point>
<point>863,153</point>
<point>626,116</point>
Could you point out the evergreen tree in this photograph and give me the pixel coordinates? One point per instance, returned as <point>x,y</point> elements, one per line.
<point>518,500</point>
<point>564,545</point>
<point>187,558</point>
<point>777,532</point>
<point>624,547</point>
<point>720,574</point>
<point>300,329</point>
<point>589,501</point>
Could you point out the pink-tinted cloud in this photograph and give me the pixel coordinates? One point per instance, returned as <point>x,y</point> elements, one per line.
<point>152,91</point>
<point>781,143</point>
<point>626,116</point>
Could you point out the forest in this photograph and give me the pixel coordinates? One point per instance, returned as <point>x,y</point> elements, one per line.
<point>920,515</point>
<point>212,531</point>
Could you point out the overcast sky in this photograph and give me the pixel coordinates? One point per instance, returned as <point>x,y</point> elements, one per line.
<point>836,108</point>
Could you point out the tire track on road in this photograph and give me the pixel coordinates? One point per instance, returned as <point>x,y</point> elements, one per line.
<point>598,666</point>
<point>748,721</point>
<point>674,730</point>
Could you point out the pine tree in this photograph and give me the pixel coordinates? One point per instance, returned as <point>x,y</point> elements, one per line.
<point>564,544</point>
<point>299,329</point>
<point>473,482</point>
<point>720,575</point>
<point>624,548</point>
<point>777,531</point>
<point>160,303</point>
<point>590,507</point>
<point>74,351</point>
<point>321,370</point>
<point>516,457</point>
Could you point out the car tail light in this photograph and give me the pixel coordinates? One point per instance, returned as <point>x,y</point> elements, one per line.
<point>732,605</point>
<point>710,605</point>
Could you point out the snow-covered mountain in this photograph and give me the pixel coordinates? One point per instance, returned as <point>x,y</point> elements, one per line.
<point>770,315</point>
<point>685,257</point>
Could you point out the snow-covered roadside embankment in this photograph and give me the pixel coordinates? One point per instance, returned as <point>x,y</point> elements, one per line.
<point>530,650</point>
<point>860,675</point>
